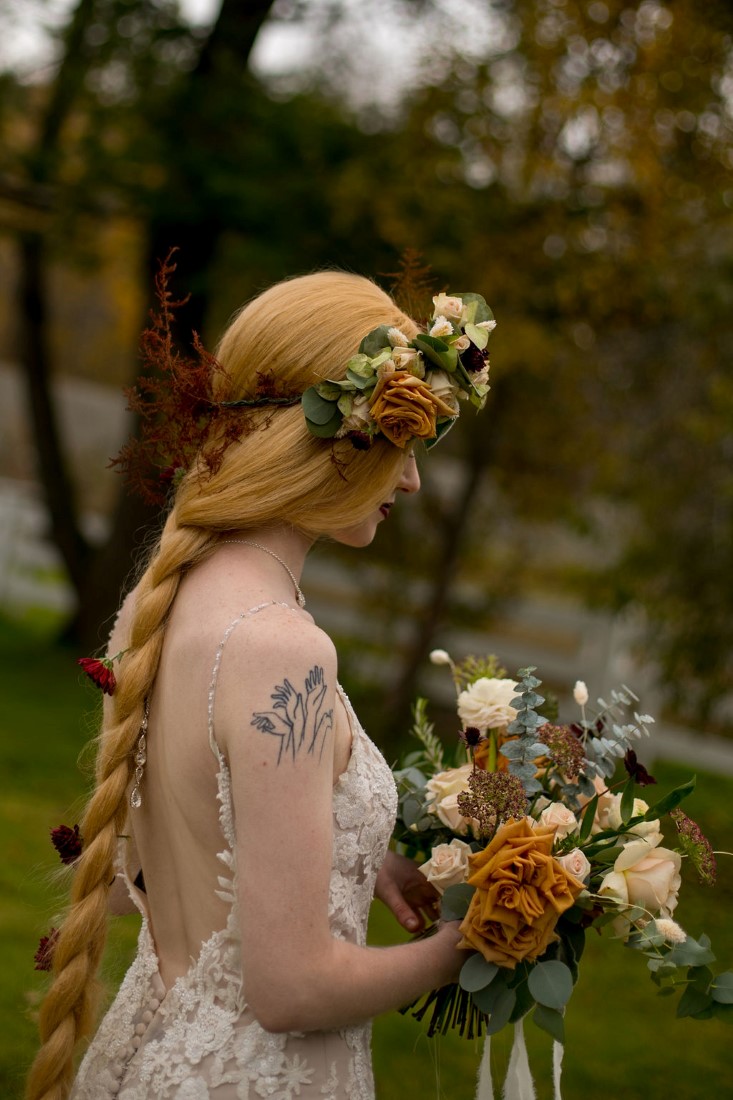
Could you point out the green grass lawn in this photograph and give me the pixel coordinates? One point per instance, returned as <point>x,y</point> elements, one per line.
<point>622,1040</point>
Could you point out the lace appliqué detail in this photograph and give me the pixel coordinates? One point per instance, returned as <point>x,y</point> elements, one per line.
<point>198,1040</point>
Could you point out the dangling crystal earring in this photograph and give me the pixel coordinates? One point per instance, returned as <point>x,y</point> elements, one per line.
<point>136,798</point>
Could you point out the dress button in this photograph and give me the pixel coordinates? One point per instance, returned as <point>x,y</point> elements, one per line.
<point>147,1016</point>
<point>129,1050</point>
<point>117,1068</point>
<point>135,1042</point>
<point>154,1004</point>
<point>140,1029</point>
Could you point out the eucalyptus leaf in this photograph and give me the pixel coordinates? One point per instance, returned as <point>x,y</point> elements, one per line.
<point>486,998</point>
<point>551,1021</point>
<point>327,430</point>
<point>483,311</point>
<point>692,952</point>
<point>477,973</point>
<point>375,341</point>
<point>455,901</point>
<point>502,1011</point>
<point>722,988</point>
<point>551,983</point>
<point>317,410</point>
<point>692,1001</point>
<point>361,381</point>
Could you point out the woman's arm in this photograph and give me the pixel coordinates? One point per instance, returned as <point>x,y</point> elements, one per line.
<point>276,720</point>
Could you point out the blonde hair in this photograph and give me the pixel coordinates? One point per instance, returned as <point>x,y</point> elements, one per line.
<point>300,330</point>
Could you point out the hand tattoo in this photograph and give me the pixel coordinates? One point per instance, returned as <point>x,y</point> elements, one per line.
<point>297,718</point>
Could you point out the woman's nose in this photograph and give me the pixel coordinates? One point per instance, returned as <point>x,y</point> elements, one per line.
<point>410,480</point>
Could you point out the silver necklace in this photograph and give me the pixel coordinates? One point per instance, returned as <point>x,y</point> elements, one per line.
<point>266,549</point>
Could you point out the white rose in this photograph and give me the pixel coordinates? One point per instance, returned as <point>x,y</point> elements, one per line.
<point>580,693</point>
<point>645,876</point>
<point>485,704</point>
<point>447,306</point>
<point>445,788</point>
<point>560,818</point>
<point>408,359</point>
<point>575,863</point>
<point>461,343</point>
<point>440,657</point>
<point>442,327</point>
<point>448,864</point>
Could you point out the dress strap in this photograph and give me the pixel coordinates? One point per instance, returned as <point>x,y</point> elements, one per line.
<point>217,662</point>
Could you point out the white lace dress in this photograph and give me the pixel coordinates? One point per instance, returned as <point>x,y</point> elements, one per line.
<point>198,1040</point>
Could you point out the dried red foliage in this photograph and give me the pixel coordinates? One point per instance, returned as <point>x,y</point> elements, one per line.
<point>412,286</point>
<point>100,673</point>
<point>179,416</point>
<point>68,842</point>
<point>43,957</point>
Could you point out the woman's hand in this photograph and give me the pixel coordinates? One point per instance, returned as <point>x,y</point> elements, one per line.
<point>407,892</point>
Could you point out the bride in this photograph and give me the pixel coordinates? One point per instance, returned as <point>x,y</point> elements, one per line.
<point>238,802</point>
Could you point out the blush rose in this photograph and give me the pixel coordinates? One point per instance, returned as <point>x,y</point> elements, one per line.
<point>448,864</point>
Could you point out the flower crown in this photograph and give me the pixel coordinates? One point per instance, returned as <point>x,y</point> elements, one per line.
<point>408,389</point>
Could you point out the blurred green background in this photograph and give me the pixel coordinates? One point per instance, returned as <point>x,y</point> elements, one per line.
<point>569,160</point>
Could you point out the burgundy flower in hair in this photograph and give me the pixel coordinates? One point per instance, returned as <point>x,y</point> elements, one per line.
<point>67,842</point>
<point>99,672</point>
<point>43,957</point>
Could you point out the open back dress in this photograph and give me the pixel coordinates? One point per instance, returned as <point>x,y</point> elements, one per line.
<point>198,1040</point>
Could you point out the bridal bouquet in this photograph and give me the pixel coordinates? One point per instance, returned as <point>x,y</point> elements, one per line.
<point>531,839</point>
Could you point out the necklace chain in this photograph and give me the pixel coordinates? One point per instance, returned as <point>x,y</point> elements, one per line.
<point>300,598</point>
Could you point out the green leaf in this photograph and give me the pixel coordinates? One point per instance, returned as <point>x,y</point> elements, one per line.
<point>589,814</point>
<point>360,381</point>
<point>478,336</point>
<point>551,1021</point>
<point>327,430</point>
<point>670,800</point>
<point>477,973</point>
<point>692,1001</point>
<point>551,983</point>
<point>722,988</point>
<point>482,312</point>
<point>455,901</point>
<point>627,800</point>
<point>574,939</point>
<point>501,1013</point>
<point>437,351</point>
<point>692,952</point>
<point>317,410</point>
<point>375,341</point>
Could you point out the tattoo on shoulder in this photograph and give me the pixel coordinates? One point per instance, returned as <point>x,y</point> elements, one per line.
<point>297,717</point>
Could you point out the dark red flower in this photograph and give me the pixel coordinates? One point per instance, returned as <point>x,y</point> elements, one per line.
<point>99,672</point>
<point>471,736</point>
<point>474,359</point>
<point>67,842</point>
<point>360,441</point>
<point>43,957</point>
<point>637,770</point>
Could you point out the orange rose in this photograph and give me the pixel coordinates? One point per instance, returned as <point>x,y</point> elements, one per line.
<point>404,407</point>
<point>521,891</point>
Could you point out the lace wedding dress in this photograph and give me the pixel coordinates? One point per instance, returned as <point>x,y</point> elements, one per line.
<point>198,1040</point>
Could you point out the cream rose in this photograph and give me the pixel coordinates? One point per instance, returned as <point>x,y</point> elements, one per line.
<point>446,305</point>
<point>485,704</point>
<point>448,865</point>
<point>461,343</point>
<point>608,816</point>
<point>408,359</point>
<point>358,418</point>
<point>575,863</point>
<point>445,788</point>
<point>561,819</point>
<point>646,876</point>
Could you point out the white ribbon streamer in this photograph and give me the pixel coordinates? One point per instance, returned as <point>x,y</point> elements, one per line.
<point>485,1086</point>
<point>518,1084</point>
<point>557,1052</point>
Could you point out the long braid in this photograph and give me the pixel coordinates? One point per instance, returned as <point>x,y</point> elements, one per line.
<point>68,1011</point>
